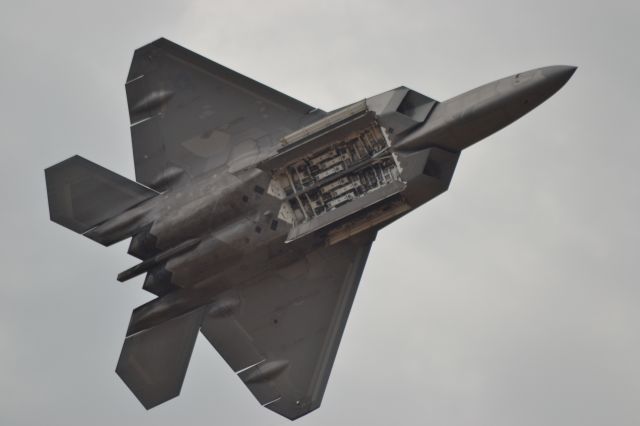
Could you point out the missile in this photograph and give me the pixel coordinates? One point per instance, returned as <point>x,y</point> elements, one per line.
<point>470,117</point>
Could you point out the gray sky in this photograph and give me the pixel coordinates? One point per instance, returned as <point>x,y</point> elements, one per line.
<point>512,299</point>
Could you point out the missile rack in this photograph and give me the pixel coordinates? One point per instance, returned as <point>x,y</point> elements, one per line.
<point>335,175</point>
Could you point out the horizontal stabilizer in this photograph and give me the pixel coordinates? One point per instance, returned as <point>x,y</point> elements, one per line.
<point>83,194</point>
<point>153,362</point>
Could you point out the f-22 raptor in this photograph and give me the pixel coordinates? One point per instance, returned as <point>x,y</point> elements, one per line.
<point>253,213</point>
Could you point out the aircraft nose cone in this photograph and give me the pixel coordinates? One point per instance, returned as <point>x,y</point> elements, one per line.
<point>558,75</point>
<point>562,72</point>
<point>467,118</point>
<point>528,90</point>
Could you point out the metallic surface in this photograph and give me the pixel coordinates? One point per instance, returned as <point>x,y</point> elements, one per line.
<point>474,115</point>
<point>254,213</point>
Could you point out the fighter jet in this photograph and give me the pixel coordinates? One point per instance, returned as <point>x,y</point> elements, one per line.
<point>252,213</point>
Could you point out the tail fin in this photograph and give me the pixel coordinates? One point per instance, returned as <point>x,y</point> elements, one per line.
<point>83,194</point>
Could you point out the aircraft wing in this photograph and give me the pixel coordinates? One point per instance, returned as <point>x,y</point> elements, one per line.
<point>280,332</point>
<point>283,337</point>
<point>189,114</point>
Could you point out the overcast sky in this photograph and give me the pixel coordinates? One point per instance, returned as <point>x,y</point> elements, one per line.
<point>512,299</point>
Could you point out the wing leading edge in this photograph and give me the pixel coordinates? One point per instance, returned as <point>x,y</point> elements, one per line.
<point>190,115</point>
